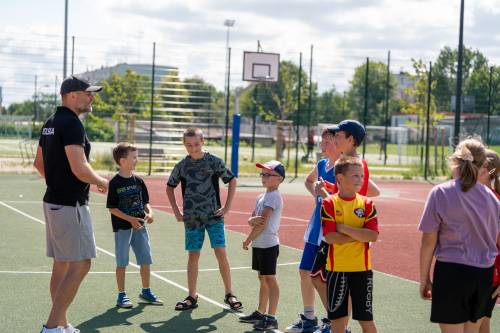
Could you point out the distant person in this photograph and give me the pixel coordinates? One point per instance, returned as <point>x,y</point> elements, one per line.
<point>62,158</point>
<point>199,173</point>
<point>128,203</point>
<point>460,228</point>
<point>265,223</point>
<point>490,176</point>
<point>349,225</point>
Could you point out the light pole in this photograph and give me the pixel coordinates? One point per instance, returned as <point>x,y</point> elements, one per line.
<point>228,23</point>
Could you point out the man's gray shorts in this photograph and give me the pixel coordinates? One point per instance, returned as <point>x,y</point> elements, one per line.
<point>69,232</point>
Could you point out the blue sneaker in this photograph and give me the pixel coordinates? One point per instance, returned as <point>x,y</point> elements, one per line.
<point>123,301</point>
<point>324,327</point>
<point>303,325</point>
<point>148,297</point>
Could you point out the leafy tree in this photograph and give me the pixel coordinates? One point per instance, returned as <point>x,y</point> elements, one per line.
<point>377,81</point>
<point>45,106</point>
<point>98,129</point>
<point>475,77</point>
<point>419,92</point>
<point>123,94</point>
<point>331,107</point>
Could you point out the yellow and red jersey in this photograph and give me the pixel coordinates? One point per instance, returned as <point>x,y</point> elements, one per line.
<point>358,212</point>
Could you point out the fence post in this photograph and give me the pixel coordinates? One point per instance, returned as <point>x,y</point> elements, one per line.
<point>298,119</point>
<point>151,109</point>
<point>428,122</point>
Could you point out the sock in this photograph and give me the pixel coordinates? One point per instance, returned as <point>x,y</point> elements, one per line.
<point>270,317</point>
<point>121,293</point>
<point>146,290</point>
<point>309,312</point>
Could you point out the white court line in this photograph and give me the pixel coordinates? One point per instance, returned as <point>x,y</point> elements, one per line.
<point>136,272</point>
<point>175,284</point>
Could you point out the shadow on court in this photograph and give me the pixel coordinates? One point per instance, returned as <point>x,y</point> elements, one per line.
<point>183,322</point>
<point>112,317</point>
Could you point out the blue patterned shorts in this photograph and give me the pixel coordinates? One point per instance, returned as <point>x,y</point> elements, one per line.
<point>196,236</point>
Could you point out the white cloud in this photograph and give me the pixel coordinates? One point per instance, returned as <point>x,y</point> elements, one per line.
<point>190,34</point>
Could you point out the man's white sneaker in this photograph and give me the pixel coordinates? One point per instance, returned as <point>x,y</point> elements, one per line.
<point>58,329</point>
<point>71,329</point>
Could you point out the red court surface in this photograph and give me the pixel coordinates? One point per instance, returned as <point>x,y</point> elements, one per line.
<point>399,210</point>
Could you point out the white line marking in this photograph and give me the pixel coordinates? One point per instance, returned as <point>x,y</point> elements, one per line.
<point>136,272</point>
<point>175,284</point>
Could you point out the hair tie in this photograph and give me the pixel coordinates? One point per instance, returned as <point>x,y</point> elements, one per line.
<point>464,154</point>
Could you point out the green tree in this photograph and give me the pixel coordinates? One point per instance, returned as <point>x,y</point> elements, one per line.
<point>45,106</point>
<point>377,81</point>
<point>475,77</point>
<point>419,92</point>
<point>331,107</point>
<point>126,93</point>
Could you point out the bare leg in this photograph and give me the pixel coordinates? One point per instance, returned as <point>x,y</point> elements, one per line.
<point>367,326</point>
<point>120,278</point>
<point>452,328</point>
<point>274,293</point>
<point>485,325</point>
<point>66,292</point>
<point>307,288</point>
<point>339,325</point>
<point>145,275</point>
<point>192,271</point>
<point>320,287</point>
<point>471,327</point>
<point>59,269</point>
<point>263,294</point>
<point>225,272</point>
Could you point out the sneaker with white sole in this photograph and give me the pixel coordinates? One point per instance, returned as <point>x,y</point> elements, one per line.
<point>303,325</point>
<point>147,296</point>
<point>58,329</point>
<point>252,318</point>
<point>123,301</point>
<point>324,327</point>
<point>71,329</point>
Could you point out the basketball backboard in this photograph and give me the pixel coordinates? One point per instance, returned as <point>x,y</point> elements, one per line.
<point>260,66</point>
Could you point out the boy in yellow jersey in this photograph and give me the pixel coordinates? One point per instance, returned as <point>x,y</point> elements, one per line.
<point>349,223</point>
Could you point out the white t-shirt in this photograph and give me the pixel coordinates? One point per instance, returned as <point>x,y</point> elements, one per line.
<point>269,236</point>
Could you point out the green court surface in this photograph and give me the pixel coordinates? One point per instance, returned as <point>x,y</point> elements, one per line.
<point>25,274</point>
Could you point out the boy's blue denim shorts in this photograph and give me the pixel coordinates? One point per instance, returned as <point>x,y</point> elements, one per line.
<point>138,240</point>
<point>196,236</point>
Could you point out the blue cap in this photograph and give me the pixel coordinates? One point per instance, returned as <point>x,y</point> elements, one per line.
<point>350,127</point>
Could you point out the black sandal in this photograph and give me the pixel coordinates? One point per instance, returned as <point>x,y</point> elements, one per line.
<point>233,302</point>
<point>188,303</point>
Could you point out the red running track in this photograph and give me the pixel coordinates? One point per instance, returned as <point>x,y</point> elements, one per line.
<point>395,253</point>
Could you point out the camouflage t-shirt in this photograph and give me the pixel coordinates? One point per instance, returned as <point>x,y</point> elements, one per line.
<point>200,188</point>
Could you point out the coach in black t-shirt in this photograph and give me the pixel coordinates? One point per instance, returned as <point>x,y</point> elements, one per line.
<point>62,158</point>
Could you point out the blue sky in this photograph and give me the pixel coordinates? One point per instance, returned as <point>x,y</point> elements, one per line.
<point>191,35</point>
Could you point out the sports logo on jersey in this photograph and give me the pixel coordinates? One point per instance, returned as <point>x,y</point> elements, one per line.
<point>48,131</point>
<point>360,212</point>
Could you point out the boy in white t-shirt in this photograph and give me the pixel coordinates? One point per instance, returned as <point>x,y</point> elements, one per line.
<point>265,222</point>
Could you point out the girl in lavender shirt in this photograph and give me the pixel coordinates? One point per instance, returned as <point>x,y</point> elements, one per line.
<point>460,226</point>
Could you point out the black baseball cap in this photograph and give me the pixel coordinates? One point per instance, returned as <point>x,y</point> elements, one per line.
<point>272,166</point>
<point>351,127</point>
<point>75,83</point>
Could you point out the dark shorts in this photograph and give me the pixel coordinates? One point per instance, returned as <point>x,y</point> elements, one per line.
<point>460,293</point>
<point>358,285</point>
<point>492,303</point>
<point>264,260</point>
<point>319,266</point>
